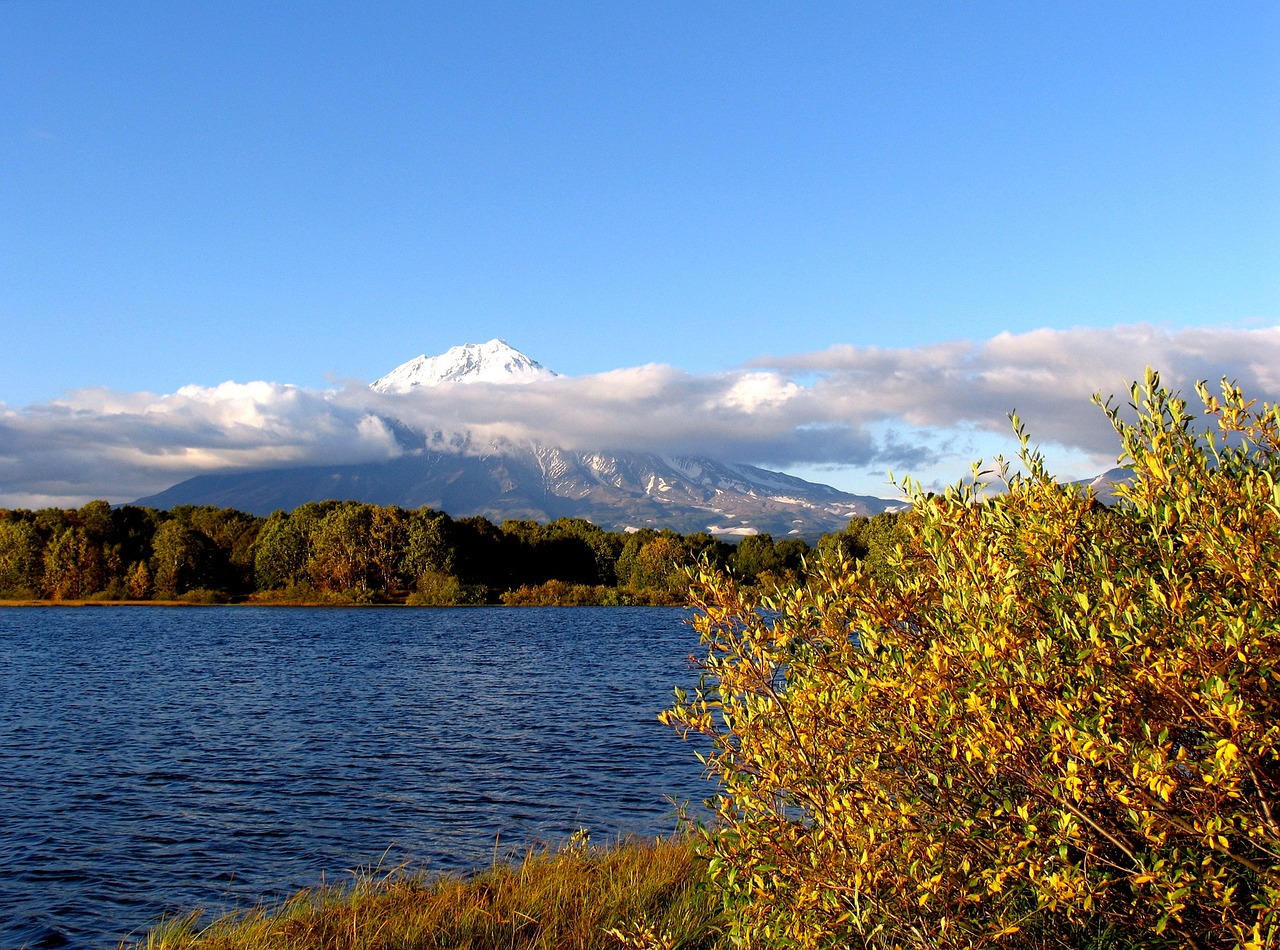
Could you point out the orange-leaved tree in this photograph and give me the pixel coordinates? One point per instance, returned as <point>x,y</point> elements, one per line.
<point>1050,724</point>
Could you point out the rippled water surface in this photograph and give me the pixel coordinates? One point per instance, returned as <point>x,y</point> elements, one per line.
<point>156,760</point>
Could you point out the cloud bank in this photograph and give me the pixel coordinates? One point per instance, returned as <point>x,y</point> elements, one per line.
<point>851,411</point>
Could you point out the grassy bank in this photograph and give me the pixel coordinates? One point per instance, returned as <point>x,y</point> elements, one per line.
<point>638,894</point>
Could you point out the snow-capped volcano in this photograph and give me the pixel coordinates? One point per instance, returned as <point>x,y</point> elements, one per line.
<point>532,479</point>
<point>492,362</point>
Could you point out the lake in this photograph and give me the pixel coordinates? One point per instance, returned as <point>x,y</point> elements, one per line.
<point>155,760</point>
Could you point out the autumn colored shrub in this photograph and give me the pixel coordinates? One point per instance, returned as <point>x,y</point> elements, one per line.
<point>557,593</point>
<point>439,589</point>
<point>1050,724</point>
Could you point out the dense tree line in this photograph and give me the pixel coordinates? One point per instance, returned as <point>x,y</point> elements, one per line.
<point>351,552</point>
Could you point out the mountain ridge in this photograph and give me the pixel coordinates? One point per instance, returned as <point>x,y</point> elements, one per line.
<point>618,491</point>
<point>534,480</point>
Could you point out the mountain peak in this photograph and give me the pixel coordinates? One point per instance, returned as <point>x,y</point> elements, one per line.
<point>492,362</point>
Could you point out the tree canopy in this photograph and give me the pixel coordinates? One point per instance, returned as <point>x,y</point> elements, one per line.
<point>346,552</point>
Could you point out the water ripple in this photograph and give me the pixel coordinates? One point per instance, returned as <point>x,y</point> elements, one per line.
<point>153,761</point>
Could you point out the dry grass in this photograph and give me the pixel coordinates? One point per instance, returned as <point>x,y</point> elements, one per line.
<point>650,894</point>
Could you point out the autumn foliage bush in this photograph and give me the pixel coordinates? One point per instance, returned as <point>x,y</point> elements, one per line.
<point>1051,724</point>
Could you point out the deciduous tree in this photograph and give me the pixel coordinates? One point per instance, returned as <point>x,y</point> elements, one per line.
<point>180,559</point>
<point>19,557</point>
<point>280,552</point>
<point>72,565</point>
<point>341,556</point>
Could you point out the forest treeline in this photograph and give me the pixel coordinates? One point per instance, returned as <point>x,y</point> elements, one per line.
<point>351,553</point>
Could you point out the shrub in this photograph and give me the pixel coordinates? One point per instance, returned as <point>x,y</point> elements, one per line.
<point>556,593</point>
<point>1049,724</point>
<point>203,595</point>
<point>439,589</point>
<point>650,597</point>
<point>114,591</point>
<point>301,593</point>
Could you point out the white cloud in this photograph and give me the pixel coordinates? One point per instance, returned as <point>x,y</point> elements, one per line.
<point>755,391</point>
<point>850,411</point>
<point>98,443</point>
<point>1048,376</point>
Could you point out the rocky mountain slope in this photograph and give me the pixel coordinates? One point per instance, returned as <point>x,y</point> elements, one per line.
<point>536,481</point>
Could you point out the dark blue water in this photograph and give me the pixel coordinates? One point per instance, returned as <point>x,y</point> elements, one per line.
<point>155,760</point>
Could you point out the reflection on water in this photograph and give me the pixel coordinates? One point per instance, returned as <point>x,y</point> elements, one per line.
<point>156,760</point>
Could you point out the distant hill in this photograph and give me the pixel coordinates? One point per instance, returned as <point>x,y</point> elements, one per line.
<point>614,491</point>
<point>535,481</point>
<point>1104,486</point>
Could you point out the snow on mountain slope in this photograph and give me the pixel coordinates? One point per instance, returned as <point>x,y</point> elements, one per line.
<point>1104,486</point>
<point>531,479</point>
<point>492,362</point>
<point>617,492</point>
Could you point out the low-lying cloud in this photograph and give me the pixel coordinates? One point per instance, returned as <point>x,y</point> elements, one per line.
<point>854,411</point>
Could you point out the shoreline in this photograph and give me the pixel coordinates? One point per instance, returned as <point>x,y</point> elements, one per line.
<point>625,894</point>
<point>17,604</point>
<point>188,603</point>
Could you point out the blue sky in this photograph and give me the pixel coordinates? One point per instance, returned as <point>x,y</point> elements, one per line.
<point>312,193</point>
